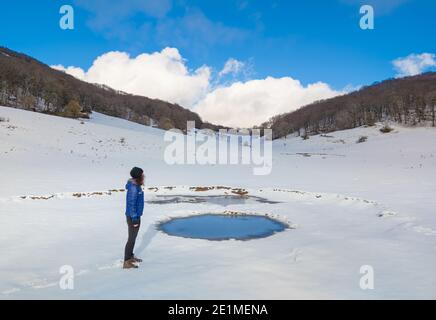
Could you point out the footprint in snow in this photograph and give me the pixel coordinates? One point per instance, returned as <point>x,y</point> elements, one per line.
<point>387,214</point>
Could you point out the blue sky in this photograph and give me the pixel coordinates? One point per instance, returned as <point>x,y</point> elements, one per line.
<point>311,40</point>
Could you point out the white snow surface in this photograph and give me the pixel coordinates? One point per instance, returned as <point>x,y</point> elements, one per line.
<point>349,205</point>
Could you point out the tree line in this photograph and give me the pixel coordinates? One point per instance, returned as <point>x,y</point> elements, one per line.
<point>29,84</point>
<point>409,101</point>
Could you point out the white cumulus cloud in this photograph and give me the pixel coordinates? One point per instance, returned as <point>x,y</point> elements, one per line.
<point>74,71</point>
<point>414,64</point>
<point>232,66</point>
<point>245,104</point>
<point>160,75</point>
<point>164,75</point>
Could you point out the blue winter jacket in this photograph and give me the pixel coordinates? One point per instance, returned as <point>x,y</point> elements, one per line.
<point>134,201</point>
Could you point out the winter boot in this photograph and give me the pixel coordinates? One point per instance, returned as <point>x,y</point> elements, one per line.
<point>130,264</point>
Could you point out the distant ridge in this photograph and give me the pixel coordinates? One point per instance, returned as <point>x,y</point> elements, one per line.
<point>409,101</point>
<point>27,83</point>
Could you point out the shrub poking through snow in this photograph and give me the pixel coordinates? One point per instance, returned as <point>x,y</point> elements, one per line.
<point>362,139</point>
<point>240,192</point>
<point>72,110</point>
<point>4,119</point>
<point>305,136</point>
<point>386,129</point>
<point>201,189</point>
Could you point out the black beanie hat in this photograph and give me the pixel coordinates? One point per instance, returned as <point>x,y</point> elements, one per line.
<point>136,173</point>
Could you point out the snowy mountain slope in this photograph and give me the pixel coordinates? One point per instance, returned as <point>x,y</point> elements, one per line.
<point>351,205</point>
<point>29,84</point>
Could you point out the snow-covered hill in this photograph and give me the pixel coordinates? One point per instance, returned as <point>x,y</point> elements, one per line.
<point>350,205</point>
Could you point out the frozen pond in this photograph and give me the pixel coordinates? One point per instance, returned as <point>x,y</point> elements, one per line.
<point>222,227</point>
<point>222,200</point>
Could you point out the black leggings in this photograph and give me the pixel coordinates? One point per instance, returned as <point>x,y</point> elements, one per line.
<point>133,233</point>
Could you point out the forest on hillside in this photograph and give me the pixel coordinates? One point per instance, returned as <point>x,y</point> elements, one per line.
<point>410,101</point>
<point>26,83</point>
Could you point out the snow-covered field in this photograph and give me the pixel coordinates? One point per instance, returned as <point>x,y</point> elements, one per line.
<point>349,205</point>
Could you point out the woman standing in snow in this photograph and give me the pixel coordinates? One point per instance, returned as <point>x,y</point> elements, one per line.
<point>134,210</point>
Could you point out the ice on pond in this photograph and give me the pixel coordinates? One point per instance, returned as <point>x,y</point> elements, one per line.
<point>222,200</point>
<point>222,227</point>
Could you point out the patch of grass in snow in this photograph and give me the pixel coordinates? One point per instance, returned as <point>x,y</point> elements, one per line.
<point>362,139</point>
<point>386,129</point>
<point>201,189</point>
<point>238,191</point>
<point>305,137</point>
